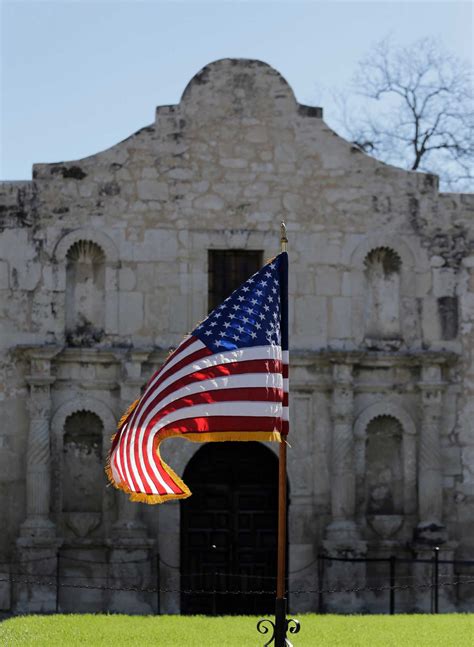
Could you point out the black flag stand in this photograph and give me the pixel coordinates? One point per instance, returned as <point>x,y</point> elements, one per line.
<point>282,625</point>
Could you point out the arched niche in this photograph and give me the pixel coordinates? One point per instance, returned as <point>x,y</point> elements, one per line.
<point>367,262</point>
<point>384,473</point>
<point>86,270</point>
<point>382,273</point>
<point>83,463</point>
<point>80,436</point>
<point>386,466</point>
<point>85,293</point>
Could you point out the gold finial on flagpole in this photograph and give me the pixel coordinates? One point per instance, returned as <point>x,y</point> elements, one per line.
<point>283,238</point>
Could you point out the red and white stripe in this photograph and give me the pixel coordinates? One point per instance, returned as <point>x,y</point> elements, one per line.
<point>242,391</point>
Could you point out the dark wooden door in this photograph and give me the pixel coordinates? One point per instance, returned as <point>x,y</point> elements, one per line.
<point>229,529</point>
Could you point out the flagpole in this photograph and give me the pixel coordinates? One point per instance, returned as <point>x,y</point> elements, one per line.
<point>281,625</point>
<point>280,603</point>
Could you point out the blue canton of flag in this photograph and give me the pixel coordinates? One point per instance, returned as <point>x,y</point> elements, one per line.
<point>250,316</point>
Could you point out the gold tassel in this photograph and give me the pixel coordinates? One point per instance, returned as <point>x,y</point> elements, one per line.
<point>128,413</point>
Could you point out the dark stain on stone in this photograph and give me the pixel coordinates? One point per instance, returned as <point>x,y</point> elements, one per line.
<point>84,335</point>
<point>430,181</point>
<point>109,188</point>
<point>69,172</point>
<point>60,210</point>
<point>202,76</point>
<point>448,317</point>
<point>115,166</point>
<point>21,213</point>
<point>451,246</point>
<point>381,204</point>
<point>414,212</point>
<point>74,172</point>
<point>310,111</point>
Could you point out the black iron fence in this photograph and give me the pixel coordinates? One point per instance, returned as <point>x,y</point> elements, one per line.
<point>394,583</point>
<point>390,582</point>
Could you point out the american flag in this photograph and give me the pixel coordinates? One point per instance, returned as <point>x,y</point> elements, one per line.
<point>228,380</point>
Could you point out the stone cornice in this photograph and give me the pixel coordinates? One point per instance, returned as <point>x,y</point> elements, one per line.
<point>372,358</point>
<point>40,351</point>
<point>39,380</point>
<point>298,357</point>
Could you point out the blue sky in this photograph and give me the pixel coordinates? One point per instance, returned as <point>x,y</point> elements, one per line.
<point>79,76</point>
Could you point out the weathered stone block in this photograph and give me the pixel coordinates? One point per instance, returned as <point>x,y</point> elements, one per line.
<point>451,461</point>
<point>340,318</point>
<point>130,312</point>
<point>328,281</point>
<point>150,190</point>
<point>127,278</point>
<point>212,202</point>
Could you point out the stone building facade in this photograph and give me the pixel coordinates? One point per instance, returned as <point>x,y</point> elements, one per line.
<point>104,265</point>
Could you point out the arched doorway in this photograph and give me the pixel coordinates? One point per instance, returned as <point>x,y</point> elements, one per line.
<point>229,529</point>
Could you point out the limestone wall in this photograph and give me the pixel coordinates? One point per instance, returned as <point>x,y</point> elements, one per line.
<point>104,258</point>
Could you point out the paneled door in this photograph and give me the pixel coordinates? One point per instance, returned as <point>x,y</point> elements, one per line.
<point>229,529</point>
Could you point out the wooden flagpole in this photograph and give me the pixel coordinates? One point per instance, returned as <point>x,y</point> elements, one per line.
<point>280,603</point>
<point>281,625</point>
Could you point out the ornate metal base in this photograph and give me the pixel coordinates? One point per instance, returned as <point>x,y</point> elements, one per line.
<point>280,627</point>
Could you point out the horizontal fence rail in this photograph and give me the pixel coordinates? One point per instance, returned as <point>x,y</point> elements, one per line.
<point>434,581</point>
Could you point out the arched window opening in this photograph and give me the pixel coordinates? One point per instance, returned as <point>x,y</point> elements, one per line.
<point>382,307</point>
<point>82,469</point>
<point>85,294</point>
<point>384,486</point>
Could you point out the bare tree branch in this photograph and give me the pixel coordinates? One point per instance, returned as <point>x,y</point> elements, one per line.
<point>415,110</point>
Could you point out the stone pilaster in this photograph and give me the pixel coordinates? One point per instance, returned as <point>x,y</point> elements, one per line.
<point>37,545</point>
<point>131,551</point>
<point>342,537</point>
<point>302,562</point>
<point>430,501</point>
<point>422,599</point>
<point>342,529</point>
<point>38,460</point>
<point>133,564</point>
<point>128,524</point>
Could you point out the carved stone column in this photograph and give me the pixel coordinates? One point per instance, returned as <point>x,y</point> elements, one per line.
<point>131,551</point>
<point>38,460</point>
<point>37,545</point>
<point>128,523</point>
<point>342,538</point>
<point>430,494</point>
<point>342,528</point>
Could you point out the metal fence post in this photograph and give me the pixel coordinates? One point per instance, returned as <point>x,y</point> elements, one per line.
<point>320,583</point>
<point>436,579</point>
<point>158,583</point>
<point>214,595</point>
<point>57,581</point>
<point>392,584</point>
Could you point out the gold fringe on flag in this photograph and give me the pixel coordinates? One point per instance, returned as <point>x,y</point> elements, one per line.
<point>127,414</point>
<point>151,499</point>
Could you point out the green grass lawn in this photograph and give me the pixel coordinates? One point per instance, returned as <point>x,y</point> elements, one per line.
<point>195,631</point>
